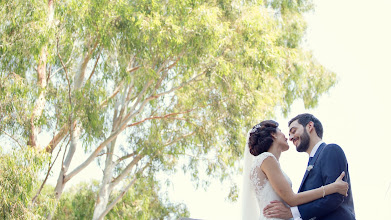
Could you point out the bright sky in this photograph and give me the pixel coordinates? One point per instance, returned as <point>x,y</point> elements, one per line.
<point>353,39</point>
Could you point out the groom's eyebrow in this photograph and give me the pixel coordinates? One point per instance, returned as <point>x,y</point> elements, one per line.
<point>290,130</point>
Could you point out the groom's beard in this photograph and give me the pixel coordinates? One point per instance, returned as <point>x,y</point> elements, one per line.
<point>304,142</point>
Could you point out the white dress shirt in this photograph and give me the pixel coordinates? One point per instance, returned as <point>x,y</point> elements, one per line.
<point>295,210</point>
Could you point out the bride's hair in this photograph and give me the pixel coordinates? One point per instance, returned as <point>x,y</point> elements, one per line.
<point>261,138</point>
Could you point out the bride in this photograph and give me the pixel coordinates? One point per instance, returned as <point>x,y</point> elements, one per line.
<point>263,179</point>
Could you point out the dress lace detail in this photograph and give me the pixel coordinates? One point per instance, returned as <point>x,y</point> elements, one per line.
<point>263,189</point>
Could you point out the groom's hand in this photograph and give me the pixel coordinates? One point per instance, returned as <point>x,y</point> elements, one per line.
<point>277,209</point>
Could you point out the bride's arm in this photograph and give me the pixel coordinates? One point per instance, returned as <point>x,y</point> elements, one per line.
<point>281,186</point>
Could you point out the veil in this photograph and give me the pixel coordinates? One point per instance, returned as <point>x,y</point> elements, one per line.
<point>250,208</point>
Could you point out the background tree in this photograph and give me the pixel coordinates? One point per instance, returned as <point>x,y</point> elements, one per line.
<point>19,180</point>
<point>141,202</point>
<point>140,84</point>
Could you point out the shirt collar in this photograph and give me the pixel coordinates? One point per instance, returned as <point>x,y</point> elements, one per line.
<point>316,148</point>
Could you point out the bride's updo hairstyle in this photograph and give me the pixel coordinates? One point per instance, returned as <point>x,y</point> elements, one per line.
<point>261,138</point>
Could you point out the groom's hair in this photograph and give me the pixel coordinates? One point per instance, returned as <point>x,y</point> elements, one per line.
<point>305,118</point>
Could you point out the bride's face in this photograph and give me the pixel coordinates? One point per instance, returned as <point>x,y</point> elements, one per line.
<point>282,140</point>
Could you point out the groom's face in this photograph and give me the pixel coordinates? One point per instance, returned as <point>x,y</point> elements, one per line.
<point>299,136</point>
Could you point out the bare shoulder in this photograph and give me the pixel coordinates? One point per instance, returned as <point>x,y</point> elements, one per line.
<point>270,163</point>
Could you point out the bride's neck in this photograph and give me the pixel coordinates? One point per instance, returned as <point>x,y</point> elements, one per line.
<point>275,151</point>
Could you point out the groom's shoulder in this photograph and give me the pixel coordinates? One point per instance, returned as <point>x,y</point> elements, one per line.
<point>333,148</point>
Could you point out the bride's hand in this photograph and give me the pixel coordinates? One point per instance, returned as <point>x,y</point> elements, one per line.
<point>341,186</point>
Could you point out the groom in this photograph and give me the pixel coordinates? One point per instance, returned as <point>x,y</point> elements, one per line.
<point>326,163</point>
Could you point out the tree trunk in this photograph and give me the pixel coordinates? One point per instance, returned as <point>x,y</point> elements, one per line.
<point>75,129</point>
<point>39,104</point>
<point>61,178</point>
<point>105,187</point>
<point>113,203</point>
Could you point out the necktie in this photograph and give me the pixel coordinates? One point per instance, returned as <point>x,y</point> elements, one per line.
<point>309,161</point>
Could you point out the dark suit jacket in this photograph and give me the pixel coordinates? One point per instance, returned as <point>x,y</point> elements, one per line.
<point>328,163</point>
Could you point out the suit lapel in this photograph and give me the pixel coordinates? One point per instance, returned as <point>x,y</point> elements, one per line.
<point>312,163</point>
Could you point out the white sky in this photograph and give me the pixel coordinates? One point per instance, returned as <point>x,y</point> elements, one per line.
<point>353,39</point>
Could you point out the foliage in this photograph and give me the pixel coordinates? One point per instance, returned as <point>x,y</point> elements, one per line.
<point>19,180</point>
<point>141,202</point>
<point>147,201</point>
<point>78,202</point>
<point>150,82</point>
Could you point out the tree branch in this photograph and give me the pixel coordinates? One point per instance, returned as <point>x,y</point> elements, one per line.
<point>92,156</point>
<point>66,64</point>
<point>176,88</point>
<point>64,129</point>
<point>96,63</point>
<point>115,92</point>
<point>123,192</point>
<point>127,118</point>
<point>79,77</point>
<point>133,69</point>
<point>130,115</point>
<point>130,90</point>
<point>46,177</point>
<point>174,63</point>
<point>11,137</point>
<point>126,171</point>
<point>58,137</point>
<point>179,138</point>
<point>161,117</point>
<point>124,158</point>
<point>159,82</point>
<point>49,73</point>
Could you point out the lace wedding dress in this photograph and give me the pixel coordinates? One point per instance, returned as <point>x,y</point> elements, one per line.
<point>264,193</point>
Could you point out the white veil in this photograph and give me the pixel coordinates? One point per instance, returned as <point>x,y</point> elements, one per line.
<point>250,208</point>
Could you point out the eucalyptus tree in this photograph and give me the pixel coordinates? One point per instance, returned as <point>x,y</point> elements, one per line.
<point>141,84</point>
<point>19,181</point>
<point>79,201</point>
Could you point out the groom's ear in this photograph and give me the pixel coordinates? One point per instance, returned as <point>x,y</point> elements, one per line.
<point>310,126</point>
